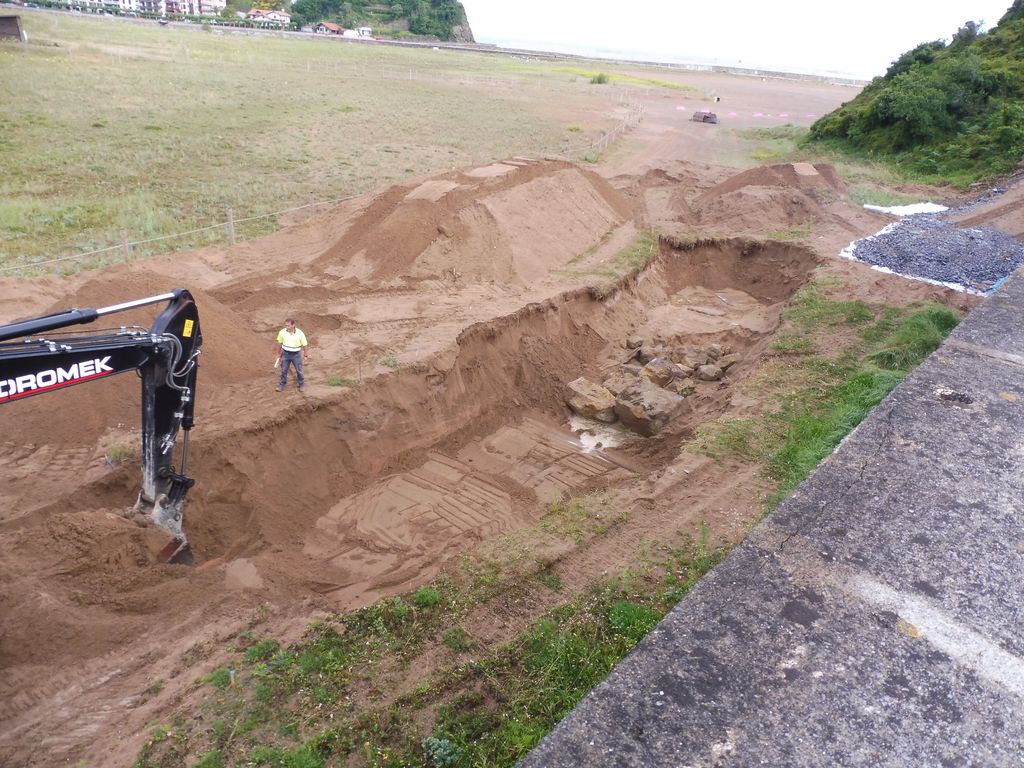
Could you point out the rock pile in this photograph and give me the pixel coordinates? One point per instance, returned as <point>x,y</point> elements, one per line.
<point>650,386</point>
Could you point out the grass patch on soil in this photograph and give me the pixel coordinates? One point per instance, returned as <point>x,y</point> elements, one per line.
<point>119,454</point>
<point>872,182</point>
<point>793,233</point>
<point>774,144</point>
<point>873,194</point>
<point>601,78</point>
<point>819,399</point>
<point>635,256</point>
<point>343,694</point>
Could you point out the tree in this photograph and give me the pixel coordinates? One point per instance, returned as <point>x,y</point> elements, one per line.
<point>347,15</point>
<point>916,109</point>
<point>968,32</point>
<point>922,54</point>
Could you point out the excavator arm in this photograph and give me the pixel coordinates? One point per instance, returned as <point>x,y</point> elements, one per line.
<point>166,359</point>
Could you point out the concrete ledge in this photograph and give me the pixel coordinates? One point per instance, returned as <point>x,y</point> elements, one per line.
<point>876,618</point>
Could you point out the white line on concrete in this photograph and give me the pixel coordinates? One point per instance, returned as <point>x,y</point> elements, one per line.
<point>962,644</point>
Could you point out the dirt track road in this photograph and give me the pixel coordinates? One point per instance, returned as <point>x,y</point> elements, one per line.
<point>453,309</point>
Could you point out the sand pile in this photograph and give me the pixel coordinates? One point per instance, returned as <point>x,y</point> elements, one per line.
<point>769,199</point>
<point>510,222</point>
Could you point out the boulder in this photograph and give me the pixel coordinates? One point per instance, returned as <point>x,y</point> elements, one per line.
<point>646,409</point>
<point>591,400</point>
<point>683,387</point>
<point>648,352</point>
<point>682,352</point>
<point>620,380</point>
<point>634,342</point>
<point>709,373</point>
<point>689,357</point>
<point>660,371</point>
<point>725,362</point>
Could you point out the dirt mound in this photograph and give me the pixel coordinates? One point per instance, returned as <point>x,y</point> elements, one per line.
<point>770,199</point>
<point>1003,210</point>
<point>511,221</point>
<point>787,175</point>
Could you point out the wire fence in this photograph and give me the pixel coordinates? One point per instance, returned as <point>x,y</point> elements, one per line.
<point>636,114</point>
<point>130,248</point>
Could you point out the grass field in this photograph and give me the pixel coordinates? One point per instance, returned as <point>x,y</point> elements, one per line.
<point>112,125</point>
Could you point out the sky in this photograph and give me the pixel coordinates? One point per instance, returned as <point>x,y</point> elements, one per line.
<point>856,39</point>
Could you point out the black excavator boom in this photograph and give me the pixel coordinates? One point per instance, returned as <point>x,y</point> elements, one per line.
<point>33,362</point>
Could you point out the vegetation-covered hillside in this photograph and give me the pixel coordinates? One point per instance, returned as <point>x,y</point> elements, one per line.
<point>953,112</point>
<point>430,18</point>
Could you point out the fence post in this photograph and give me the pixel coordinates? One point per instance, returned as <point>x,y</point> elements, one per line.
<point>231,226</point>
<point>126,244</point>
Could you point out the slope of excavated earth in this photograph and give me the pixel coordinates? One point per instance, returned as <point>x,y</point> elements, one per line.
<point>454,310</point>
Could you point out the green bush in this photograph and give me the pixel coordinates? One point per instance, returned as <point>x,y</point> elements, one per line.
<point>941,113</point>
<point>262,651</point>
<point>426,597</point>
<point>119,454</point>
<point>220,678</point>
<point>456,639</point>
<point>441,753</point>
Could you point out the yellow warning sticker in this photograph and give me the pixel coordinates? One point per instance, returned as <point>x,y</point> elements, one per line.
<point>187,330</point>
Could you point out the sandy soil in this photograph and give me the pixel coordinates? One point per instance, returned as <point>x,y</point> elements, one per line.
<point>479,282</point>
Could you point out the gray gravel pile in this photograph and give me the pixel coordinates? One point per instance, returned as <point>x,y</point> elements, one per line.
<point>926,245</point>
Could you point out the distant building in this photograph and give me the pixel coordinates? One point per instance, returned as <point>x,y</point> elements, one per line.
<point>184,7</point>
<point>104,6</point>
<point>269,18</point>
<point>328,28</point>
<point>157,7</point>
<point>362,32</point>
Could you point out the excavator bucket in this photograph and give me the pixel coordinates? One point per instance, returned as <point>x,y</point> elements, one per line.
<point>177,551</point>
<point>167,513</point>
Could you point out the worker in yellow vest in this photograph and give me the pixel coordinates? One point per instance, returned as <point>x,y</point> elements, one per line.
<point>291,350</point>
